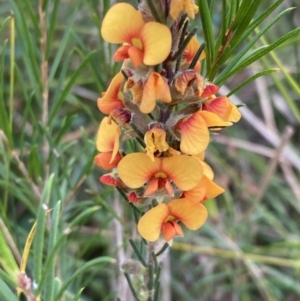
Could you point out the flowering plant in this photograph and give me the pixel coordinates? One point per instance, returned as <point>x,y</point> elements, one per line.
<point>162,112</point>
<point>160,100</point>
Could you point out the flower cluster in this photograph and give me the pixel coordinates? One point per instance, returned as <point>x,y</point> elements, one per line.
<point>160,114</point>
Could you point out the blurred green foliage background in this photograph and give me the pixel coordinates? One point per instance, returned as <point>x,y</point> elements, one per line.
<point>249,249</point>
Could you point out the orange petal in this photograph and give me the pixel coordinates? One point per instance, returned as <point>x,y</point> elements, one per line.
<point>184,171</point>
<point>209,90</point>
<point>213,120</point>
<point>194,134</point>
<point>113,98</point>
<point>193,216</point>
<point>162,89</point>
<point>118,26</point>
<point>108,136</point>
<point>122,53</point>
<point>157,41</point>
<point>168,188</point>
<point>150,224</point>
<point>168,231</point>
<point>137,92</point>
<point>184,80</point>
<point>137,168</point>
<point>103,160</point>
<point>219,106</point>
<point>133,198</point>
<point>151,187</point>
<point>190,51</point>
<point>197,194</point>
<point>149,96</point>
<point>110,180</point>
<point>178,229</point>
<point>136,55</point>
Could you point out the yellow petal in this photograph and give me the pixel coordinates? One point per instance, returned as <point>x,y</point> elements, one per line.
<point>108,136</point>
<point>191,49</point>
<point>190,8</point>
<point>235,114</point>
<point>193,216</point>
<point>176,7</point>
<point>118,26</point>
<point>194,134</point>
<point>184,171</point>
<point>162,89</point>
<point>150,224</point>
<point>197,194</point>
<point>155,140</point>
<point>157,41</point>
<point>212,189</point>
<point>206,189</point>
<point>137,168</point>
<point>207,171</point>
<point>213,120</point>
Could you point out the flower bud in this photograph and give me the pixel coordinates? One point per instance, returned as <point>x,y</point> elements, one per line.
<point>132,267</point>
<point>121,115</point>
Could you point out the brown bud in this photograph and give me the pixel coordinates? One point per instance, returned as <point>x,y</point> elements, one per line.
<point>121,115</point>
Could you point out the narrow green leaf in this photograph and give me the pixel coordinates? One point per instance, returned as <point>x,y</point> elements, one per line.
<point>224,22</point>
<point>62,46</point>
<point>252,41</point>
<point>57,286</point>
<point>6,293</point>
<point>62,76</point>
<point>252,9</point>
<point>50,259</point>
<point>212,8</point>
<point>28,48</point>
<point>12,71</point>
<point>3,25</point>
<point>77,296</point>
<point>258,54</point>
<point>242,12</point>
<point>233,35</point>
<point>49,285</point>
<point>233,8</point>
<point>7,278</point>
<point>82,270</point>
<point>252,78</point>
<point>33,15</point>
<point>38,244</point>
<point>53,19</point>
<point>83,215</point>
<point>68,87</point>
<point>207,25</point>
<point>7,260</point>
<point>137,252</point>
<point>4,123</point>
